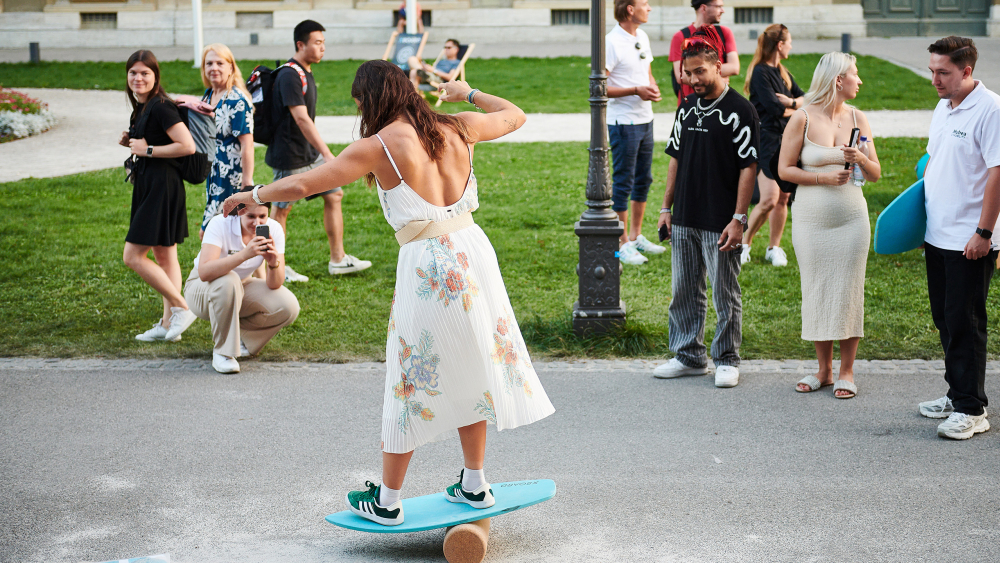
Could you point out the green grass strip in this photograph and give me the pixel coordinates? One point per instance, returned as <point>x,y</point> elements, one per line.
<point>557,85</point>
<point>65,291</point>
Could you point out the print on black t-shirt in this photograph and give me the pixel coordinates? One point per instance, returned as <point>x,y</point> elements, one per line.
<point>711,148</point>
<point>289,148</point>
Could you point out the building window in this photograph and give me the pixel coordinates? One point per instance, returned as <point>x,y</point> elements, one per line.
<point>254,20</point>
<point>754,15</point>
<point>425,17</point>
<point>570,17</point>
<point>99,21</point>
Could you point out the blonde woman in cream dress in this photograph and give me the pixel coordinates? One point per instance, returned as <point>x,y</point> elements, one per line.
<point>830,231</point>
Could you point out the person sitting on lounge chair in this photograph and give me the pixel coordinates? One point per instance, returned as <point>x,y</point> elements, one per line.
<point>443,70</point>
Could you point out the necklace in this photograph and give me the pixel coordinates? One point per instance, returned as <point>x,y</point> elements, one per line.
<point>702,113</point>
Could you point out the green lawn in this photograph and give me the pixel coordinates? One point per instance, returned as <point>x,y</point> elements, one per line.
<point>558,85</point>
<point>65,291</point>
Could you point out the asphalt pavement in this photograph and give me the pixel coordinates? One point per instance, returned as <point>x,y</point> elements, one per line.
<point>102,460</point>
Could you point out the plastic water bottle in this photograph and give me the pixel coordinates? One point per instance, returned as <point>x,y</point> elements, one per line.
<point>859,176</point>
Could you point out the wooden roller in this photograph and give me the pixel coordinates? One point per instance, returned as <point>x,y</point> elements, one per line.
<point>466,543</point>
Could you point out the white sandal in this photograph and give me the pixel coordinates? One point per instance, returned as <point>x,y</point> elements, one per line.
<point>812,382</point>
<point>843,385</point>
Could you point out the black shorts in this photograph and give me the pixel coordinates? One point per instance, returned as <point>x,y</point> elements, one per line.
<point>770,144</point>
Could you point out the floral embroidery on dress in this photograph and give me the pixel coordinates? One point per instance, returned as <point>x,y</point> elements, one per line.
<point>419,367</point>
<point>392,316</point>
<point>485,407</point>
<point>510,354</point>
<point>447,277</point>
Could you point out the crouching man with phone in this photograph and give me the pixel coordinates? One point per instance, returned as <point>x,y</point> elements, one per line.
<point>237,284</point>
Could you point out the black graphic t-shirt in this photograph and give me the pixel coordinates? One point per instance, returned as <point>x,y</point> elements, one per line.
<point>289,148</point>
<point>711,146</point>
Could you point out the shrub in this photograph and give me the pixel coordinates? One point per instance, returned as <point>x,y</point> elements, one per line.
<point>21,116</point>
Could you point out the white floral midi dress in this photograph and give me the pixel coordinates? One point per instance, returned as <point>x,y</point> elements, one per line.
<point>454,353</point>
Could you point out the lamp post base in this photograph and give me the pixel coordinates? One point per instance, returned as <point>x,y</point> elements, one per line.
<point>597,321</point>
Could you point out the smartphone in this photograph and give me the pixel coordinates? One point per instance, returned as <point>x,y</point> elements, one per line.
<point>236,210</point>
<point>263,231</point>
<point>664,233</point>
<point>855,134</point>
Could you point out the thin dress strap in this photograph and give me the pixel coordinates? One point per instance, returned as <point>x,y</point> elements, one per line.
<point>393,162</point>
<point>803,110</point>
<point>855,115</point>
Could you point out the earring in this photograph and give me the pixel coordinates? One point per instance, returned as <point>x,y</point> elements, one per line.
<point>840,87</point>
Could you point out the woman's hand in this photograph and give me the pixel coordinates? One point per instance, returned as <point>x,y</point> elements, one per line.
<point>838,178</point>
<point>270,256</point>
<point>853,155</point>
<point>138,146</point>
<point>237,200</point>
<point>123,141</point>
<point>258,246</point>
<point>195,103</point>
<point>785,100</point>
<point>455,91</point>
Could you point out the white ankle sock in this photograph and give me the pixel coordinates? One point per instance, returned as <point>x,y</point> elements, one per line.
<point>472,479</point>
<point>387,497</point>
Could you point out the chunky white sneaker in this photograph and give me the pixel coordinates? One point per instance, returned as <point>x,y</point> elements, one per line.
<point>642,244</point>
<point>348,265</point>
<point>180,320</point>
<point>225,364</point>
<point>156,334</point>
<point>727,376</point>
<point>776,256</point>
<point>674,368</point>
<point>293,276</point>
<point>629,255</point>
<point>961,426</point>
<point>745,254</point>
<point>243,350</point>
<point>938,408</point>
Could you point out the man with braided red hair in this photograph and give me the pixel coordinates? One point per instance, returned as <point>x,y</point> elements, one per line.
<point>710,179</point>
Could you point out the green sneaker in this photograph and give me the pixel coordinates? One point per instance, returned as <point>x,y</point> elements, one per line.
<point>479,498</point>
<point>365,504</point>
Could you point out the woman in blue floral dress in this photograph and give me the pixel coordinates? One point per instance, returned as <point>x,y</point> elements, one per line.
<point>455,358</point>
<point>228,97</point>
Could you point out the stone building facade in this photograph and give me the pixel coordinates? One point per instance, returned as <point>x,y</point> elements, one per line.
<point>109,23</point>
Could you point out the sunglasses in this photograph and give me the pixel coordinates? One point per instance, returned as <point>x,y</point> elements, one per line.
<point>638,47</point>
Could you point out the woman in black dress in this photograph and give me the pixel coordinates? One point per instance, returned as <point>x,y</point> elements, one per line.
<point>157,136</point>
<point>775,95</point>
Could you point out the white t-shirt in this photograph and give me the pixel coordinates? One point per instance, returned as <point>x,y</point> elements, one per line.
<point>964,143</point>
<point>226,233</point>
<point>628,67</point>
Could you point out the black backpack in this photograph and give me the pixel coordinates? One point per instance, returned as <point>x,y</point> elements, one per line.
<point>193,168</point>
<point>261,87</point>
<point>686,31</point>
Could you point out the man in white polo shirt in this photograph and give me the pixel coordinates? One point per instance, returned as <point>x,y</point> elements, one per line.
<point>962,197</point>
<point>631,92</point>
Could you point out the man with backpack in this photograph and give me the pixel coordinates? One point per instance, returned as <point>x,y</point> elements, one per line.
<point>296,145</point>
<point>707,12</point>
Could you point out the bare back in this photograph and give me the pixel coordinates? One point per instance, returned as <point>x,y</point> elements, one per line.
<point>440,183</point>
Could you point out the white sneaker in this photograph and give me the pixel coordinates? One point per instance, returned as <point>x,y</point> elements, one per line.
<point>243,350</point>
<point>156,334</point>
<point>225,364</point>
<point>938,408</point>
<point>293,276</point>
<point>745,254</point>
<point>629,255</point>
<point>961,426</point>
<point>180,320</point>
<point>348,265</point>
<point>674,368</point>
<point>643,244</point>
<point>776,256</point>
<point>727,376</point>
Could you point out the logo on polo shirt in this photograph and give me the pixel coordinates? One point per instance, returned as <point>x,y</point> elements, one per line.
<point>958,134</point>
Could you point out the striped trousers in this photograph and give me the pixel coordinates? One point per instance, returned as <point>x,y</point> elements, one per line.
<point>694,254</point>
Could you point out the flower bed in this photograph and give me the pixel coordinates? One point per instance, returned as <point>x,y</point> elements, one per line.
<point>21,116</point>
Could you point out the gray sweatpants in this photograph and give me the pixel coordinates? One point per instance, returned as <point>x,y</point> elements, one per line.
<point>694,254</point>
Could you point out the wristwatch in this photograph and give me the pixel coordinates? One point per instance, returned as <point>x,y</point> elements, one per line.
<point>742,218</point>
<point>149,151</point>
<point>254,194</point>
<point>794,103</point>
<point>984,233</point>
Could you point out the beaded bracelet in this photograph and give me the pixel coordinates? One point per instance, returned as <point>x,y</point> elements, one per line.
<point>471,95</point>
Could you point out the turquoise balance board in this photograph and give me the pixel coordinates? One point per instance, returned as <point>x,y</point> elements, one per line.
<point>431,512</point>
<point>902,224</point>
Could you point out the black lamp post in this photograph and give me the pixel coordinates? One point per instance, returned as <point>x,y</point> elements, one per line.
<point>599,307</point>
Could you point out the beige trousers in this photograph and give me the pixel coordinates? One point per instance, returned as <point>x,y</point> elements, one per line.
<point>246,309</point>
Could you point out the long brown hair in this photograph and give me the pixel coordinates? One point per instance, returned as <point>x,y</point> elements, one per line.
<point>149,59</point>
<point>767,45</point>
<point>386,94</point>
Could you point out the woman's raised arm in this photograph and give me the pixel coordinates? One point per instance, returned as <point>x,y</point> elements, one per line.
<point>501,117</point>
